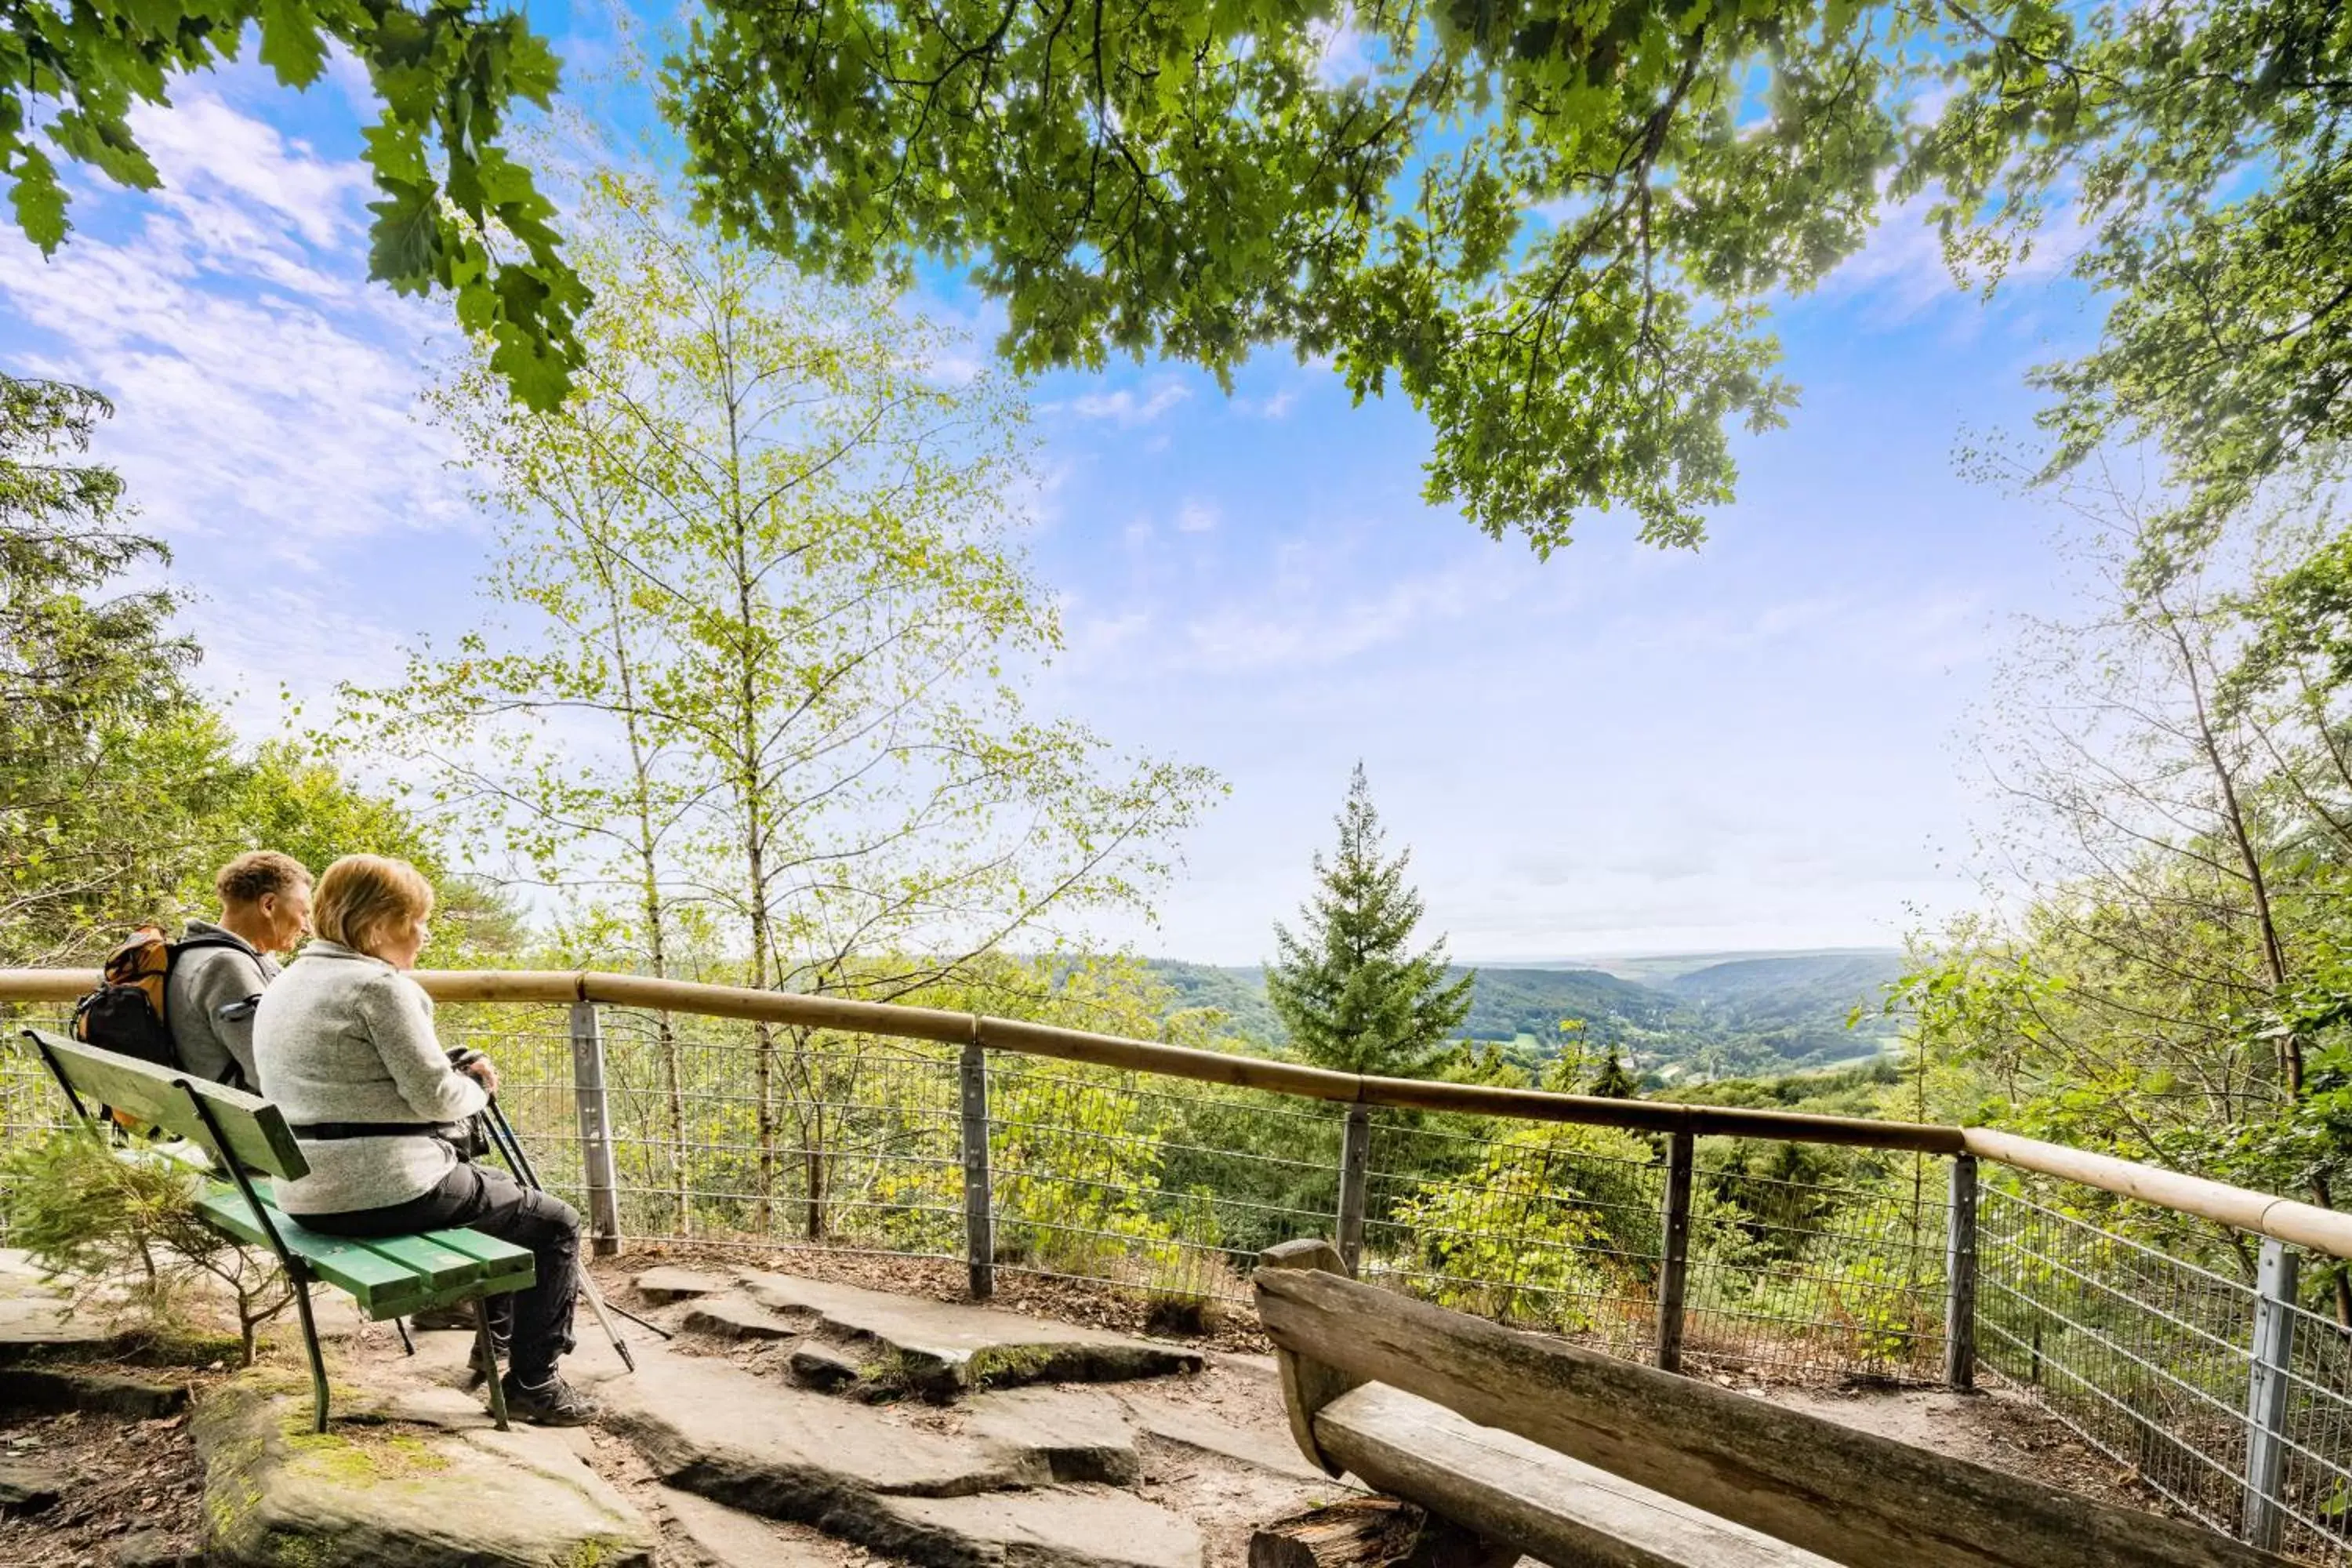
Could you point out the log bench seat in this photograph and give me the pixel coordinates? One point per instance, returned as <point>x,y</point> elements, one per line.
<point>1513,1443</point>
<point>1542,1503</point>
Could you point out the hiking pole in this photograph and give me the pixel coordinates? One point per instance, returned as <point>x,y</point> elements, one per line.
<point>502,1137</point>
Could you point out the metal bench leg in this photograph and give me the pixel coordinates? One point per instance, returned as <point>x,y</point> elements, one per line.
<point>400,1327</point>
<point>311,1345</point>
<point>490,1354</point>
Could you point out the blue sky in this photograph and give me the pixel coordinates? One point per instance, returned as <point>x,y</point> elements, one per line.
<point>1761,743</point>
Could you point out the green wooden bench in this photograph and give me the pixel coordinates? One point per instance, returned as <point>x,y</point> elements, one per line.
<point>249,1140</point>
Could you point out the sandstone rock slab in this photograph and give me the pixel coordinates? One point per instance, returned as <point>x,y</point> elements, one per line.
<point>28,1486</point>
<point>736,1317</point>
<point>37,1317</point>
<point>1079,1433</point>
<point>61,1388</point>
<point>939,1348</point>
<point>670,1283</point>
<point>1050,1529</point>
<point>768,1447</point>
<point>722,1537</point>
<point>824,1368</point>
<point>388,1497</point>
<point>1189,1427</point>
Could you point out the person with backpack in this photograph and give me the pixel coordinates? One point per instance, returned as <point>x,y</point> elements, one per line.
<point>222,967</point>
<point>188,1005</point>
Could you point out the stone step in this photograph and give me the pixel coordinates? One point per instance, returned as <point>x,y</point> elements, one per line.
<point>1056,1527</point>
<point>732,1316</point>
<point>670,1283</point>
<point>36,1387</point>
<point>770,1447</point>
<point>1273,1450</point>
<point>1081,1433</point>
<point>722,1537</point>
<point>941,1348</point>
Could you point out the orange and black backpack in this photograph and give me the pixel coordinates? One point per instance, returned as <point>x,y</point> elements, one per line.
<point>126,1013</point>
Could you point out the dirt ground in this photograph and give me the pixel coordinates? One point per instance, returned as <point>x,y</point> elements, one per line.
<point>1214,1325</point>
<point>1996,1426</point>
<point>128,1477</point>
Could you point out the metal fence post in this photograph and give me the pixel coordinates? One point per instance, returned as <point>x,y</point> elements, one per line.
<point>1960,1277</point>
<point>1674,1263</point>
<point>596,1131</point>
<point>1355,1174</point>
<point>2266,1394</point>
<point>979,1221</point>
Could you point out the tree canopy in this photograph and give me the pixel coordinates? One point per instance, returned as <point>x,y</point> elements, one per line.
<point>1555,227</point>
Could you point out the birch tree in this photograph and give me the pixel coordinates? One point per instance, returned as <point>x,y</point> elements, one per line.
<point>765,625</point>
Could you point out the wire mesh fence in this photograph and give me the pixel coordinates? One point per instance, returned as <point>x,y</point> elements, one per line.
<point>1561,1230</point>
<point>2148,1348</point>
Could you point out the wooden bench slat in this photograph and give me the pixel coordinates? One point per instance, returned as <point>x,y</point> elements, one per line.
<point>384,1278</point>
<point>347,1265</point>
<point>1548,1505</point>
<point>426,1256</point>
<point>254,1129</point>
<point>496,1285</point>
<point>489,1249</point>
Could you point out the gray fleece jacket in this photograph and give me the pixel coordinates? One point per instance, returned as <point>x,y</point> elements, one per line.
<point>204,980</point>
<point>341,1036</point>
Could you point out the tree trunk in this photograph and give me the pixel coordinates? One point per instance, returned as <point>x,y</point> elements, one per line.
<point>1371,1533</point>
<point>2290,1063</point>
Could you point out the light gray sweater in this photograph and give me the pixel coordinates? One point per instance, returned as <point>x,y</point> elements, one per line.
<point>341,1036</point>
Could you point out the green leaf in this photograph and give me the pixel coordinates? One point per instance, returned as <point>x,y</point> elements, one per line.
<point>405,240</point>
<point>291,44</point>
<point>39,200</point>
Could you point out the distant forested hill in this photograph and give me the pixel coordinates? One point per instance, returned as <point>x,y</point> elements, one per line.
<point>1723,1017</point>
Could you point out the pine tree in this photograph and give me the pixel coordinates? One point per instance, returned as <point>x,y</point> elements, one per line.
<point>1615,1080</point>
<point>1352,995</point>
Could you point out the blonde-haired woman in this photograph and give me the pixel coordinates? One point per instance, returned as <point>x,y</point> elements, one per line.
<point>344,1044</point>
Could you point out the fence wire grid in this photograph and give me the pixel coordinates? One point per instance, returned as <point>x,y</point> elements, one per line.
<point>2134,1327</point>
<point>2151,1357</point>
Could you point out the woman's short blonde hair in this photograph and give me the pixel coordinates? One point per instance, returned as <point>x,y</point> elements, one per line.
<point>362,898</point>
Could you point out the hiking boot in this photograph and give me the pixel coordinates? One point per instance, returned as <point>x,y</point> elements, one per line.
<point>554,1402</point>
<point>477,1373</point>
<point>435,1320</point>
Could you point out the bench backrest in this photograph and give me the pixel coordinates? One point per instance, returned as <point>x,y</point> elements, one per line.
<point>1850,1495</point>
<point>253,1131</point>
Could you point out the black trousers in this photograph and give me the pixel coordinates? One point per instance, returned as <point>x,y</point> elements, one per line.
<point>496,1204</point>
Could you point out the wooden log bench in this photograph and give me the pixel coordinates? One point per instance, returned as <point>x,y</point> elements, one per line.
<point>248,1142</point>
<point>1579,1459</point>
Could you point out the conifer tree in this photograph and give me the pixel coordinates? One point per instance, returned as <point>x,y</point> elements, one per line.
<point>1347,988</point>
<point>1615,1080</point>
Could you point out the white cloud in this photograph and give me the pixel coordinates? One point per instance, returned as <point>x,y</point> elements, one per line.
<point>1300,625</point>
<point>264,388</point>
<point>205,150</point>
<point>1196,517</point>
<point>1903,268</point>
<point>1273,406</point>
<point>1127,410</point>
<point>1344,51</point>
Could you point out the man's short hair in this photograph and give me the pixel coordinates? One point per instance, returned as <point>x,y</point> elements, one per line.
<point>362,897</point>
<point>258,873</point>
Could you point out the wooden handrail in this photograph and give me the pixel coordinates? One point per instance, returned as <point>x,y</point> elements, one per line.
<point>2303,1224</point>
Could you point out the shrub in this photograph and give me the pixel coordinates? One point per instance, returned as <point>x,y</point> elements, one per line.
<point>124,1222</point>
